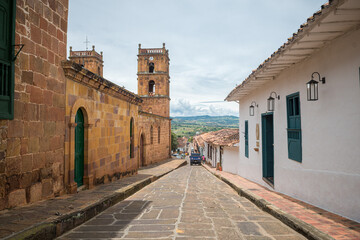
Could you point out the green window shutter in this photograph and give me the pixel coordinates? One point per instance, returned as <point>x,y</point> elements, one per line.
<point>294,127</point>
<point>7,35</point>
<point>246,139</point>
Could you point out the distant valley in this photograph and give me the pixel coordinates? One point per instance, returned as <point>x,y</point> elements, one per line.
<point>189,126</point>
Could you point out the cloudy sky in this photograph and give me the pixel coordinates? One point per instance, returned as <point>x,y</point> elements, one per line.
<point>213,44</point>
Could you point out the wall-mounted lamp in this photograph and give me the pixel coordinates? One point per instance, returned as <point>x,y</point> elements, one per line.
<point>312,87</point>
<point>271,101</point>
<point>252,107</point>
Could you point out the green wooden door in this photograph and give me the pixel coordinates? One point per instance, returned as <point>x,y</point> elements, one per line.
<point>79,148</point>
<point>246,139</point>
<point>268,146</point>
<point>7,26</point>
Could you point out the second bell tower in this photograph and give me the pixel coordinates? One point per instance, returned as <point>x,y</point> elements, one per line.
<point>154,80</point>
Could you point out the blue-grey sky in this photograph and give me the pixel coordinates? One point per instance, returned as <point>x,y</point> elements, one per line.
<point>213,44</point>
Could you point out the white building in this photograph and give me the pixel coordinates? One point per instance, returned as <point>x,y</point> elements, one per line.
<point>220,148</point>
<point>309,150</point>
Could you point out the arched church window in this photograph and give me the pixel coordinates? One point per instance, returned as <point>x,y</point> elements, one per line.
<point>159,134</point>
<point>151,88</point>
<point>151,135</point>
<point>151,67</point>
<point>132,138</point>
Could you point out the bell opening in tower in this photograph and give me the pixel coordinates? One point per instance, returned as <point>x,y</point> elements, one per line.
<point>151,68</point>
<point>151,88</point>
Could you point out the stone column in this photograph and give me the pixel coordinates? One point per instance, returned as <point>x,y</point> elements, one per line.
<point>71,184</point>
<point>88,159</point>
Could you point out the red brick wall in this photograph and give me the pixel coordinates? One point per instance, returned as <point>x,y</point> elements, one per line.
<point>32,145</point>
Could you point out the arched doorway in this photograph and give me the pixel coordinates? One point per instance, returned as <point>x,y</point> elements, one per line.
<point>79,148</point>
<point>142,150</point>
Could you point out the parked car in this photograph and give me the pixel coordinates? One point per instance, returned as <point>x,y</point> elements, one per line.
<point>195,158</point>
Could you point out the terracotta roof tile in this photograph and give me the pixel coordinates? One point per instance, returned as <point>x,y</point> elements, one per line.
<point>223,137</point>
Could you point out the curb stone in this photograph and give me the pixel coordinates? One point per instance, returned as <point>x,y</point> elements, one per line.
<point>55,227</point>
<point>298,225</point>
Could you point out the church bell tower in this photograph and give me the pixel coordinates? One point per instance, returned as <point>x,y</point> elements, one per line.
<point>154,80</point>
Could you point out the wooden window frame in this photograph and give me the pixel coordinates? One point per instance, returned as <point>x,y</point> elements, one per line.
<point>293,110</point>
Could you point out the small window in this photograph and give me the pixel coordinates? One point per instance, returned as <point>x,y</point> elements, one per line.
<point>131,138</point>
<point>246,139</point>
<point>158,134</point>
<point>151,67</point>
<point>7,29</point>
<point>151,87</point>
<point>151,135</point>
<point>294,127</point>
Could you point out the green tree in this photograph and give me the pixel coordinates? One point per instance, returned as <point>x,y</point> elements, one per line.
<point>174,142</point>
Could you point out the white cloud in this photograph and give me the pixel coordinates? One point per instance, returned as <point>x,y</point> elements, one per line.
<point>183,107</point>
<point>213,44</point>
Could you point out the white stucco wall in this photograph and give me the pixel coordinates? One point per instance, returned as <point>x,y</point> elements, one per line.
<point>329,175</point>
<point>230,159</point>
<point>215,154</point>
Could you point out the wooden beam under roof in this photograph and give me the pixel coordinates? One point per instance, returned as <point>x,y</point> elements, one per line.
<point>347,11</point>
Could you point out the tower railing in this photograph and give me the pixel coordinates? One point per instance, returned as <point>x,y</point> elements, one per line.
<point>152,51</point>
<point>85,53</point>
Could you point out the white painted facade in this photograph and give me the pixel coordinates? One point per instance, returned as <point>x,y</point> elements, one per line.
<point>211,153</point>
<point>230,159</point>
<point>329,174</point>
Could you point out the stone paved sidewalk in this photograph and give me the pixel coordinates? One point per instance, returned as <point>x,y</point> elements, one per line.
<point>313,222</point>
<point>50,218</point>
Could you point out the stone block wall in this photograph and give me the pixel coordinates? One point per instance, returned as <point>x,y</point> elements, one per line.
<point>156,105</point>
<point>161,84</point>
<point>32,144</point>
<point>158,149</point>
<point>107,128</point>
<point>160,58</point>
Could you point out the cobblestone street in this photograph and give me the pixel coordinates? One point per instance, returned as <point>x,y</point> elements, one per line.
<point>189,203</point>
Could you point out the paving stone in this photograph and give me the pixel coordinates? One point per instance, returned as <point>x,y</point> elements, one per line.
<point>77,235</point>
<point>143,235</point>
<point>120,216</point>
<point>100,221</point>
<point>275,228</point>
<point>228,234</point>
<point>151,228</point>
<point>289,237</point>
<point>112,228</point>
<point>249,228</point>
<point>222,222</point>
<point>169,213</point>
<point>257,238</point>
<point>195,226</point>
<point>188,203</point>
<point>153,214</point>
<point>197,232</point>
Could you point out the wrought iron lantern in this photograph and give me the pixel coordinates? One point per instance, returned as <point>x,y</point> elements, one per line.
<point>312,87</point>
<point>252,108</point>
<point>271,101</point>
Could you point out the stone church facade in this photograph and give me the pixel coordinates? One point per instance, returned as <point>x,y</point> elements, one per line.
<point>62,124</point>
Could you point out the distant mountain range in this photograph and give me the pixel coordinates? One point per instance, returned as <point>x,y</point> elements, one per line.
<point>190,126</point>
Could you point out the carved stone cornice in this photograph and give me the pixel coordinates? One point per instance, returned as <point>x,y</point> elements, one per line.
<point>153,115</point>
<point>78,73</point>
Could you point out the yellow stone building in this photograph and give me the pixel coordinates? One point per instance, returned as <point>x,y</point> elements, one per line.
<point>111,131</point>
